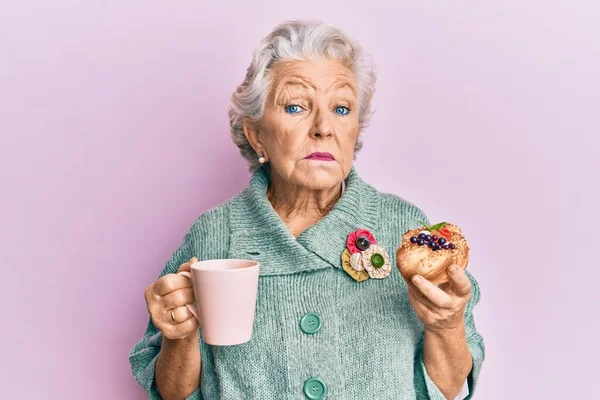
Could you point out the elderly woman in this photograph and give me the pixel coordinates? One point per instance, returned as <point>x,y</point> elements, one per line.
<point>320,330</point>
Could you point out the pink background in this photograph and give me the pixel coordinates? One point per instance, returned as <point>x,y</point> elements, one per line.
<point>114,138</point>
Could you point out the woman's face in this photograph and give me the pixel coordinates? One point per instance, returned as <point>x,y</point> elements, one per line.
<point>310,124</point>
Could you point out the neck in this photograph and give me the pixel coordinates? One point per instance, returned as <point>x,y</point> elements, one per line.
<point>300,207</point>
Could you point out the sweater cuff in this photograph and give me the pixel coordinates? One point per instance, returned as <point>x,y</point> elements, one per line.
<point>148,382</point>
<point>196,395</point>
<point>432,391</point>
<point>146,379</point>
<point>435,393</point>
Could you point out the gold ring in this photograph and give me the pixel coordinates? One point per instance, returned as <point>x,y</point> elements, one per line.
<point>173,316</point>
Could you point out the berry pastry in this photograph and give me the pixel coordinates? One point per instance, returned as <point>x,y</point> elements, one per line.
<point>430,250</point>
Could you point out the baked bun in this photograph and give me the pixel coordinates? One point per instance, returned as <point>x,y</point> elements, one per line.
<point>430,250</point>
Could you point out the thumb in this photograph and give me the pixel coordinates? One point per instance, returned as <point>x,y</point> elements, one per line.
<point>187,266</point>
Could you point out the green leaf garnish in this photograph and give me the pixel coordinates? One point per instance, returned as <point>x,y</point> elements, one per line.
<point>437,227</point>
<point>424,225</point>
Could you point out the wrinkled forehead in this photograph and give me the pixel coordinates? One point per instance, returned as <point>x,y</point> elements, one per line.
<point>304,77</point>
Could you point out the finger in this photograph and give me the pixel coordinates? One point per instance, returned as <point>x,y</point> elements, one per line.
<point>419,307</point>
<point>171,282</point>
<point>420,297</point>
<point>424,314</point>
<point>460,280</point>
<point>182,329</point>
<point>181,314</point>
<point>178,298</point>
<point>436,295</point>
<point>188,265</point>
<point>188,326</point>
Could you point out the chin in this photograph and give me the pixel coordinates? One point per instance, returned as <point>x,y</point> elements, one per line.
<point>321,176</point>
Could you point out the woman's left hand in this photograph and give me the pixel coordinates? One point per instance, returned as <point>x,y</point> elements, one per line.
<point>441,307</point>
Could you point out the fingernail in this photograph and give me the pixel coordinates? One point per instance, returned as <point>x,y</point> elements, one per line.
<point>453,269</point>
<point>416,279</point>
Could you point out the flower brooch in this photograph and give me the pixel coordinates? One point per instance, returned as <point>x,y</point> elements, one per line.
<point>363,258</point>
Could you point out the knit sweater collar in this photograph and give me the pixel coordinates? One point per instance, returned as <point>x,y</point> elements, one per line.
<point>257,231</point>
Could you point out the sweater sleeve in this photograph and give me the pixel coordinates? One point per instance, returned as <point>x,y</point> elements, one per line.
<point>426,388</point>
<point>144,354</point>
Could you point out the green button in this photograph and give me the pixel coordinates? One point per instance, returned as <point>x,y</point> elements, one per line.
<point>315,389</point>
<point>310,323</point>
<point>377,260</point>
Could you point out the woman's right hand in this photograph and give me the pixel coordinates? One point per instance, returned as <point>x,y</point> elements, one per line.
<point>166,300</point>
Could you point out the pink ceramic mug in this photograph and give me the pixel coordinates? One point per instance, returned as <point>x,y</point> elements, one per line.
<point>225,292</point>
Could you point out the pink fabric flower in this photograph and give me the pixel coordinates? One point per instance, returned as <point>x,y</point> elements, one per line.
<point>351,241</point>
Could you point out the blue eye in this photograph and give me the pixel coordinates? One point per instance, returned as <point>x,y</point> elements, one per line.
<point>293,109</point>
<point>341,110</point>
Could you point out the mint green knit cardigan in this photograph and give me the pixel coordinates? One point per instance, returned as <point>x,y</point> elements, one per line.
<point>370,343</point>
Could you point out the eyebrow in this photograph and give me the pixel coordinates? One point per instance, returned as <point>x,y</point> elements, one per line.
<point>302,86</point>
<point>307,84</point>
<point>342,83</point>
<point>290,81</point>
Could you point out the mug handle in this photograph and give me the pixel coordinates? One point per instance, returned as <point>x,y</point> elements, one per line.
<point>190,306</point>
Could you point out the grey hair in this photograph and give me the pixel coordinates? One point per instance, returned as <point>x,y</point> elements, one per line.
<point>297,40</point>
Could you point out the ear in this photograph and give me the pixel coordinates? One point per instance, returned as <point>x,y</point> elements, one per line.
<point>253,136</point>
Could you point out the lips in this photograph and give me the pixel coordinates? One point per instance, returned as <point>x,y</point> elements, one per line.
<point>320,157</point>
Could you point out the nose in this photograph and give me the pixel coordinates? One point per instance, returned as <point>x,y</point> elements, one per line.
<point>322,126</point>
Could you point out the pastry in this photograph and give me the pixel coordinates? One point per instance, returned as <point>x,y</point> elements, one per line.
<point>429,251</point>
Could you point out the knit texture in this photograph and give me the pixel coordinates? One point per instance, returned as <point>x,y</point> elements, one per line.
<point>370,344</point>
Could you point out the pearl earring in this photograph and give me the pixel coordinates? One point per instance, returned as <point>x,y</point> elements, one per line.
<point>261,158</point>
